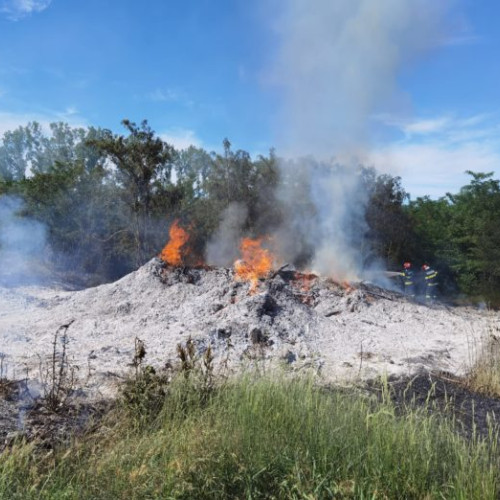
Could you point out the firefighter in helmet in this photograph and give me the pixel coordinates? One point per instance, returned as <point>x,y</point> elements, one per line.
<point>408,280</point>
<point>430,278</point>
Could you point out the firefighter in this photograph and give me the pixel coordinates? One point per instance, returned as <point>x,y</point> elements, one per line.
<point>430,278</point>
<point>408,280</point>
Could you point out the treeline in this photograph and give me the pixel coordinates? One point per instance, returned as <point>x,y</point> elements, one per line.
<point>107,201</point>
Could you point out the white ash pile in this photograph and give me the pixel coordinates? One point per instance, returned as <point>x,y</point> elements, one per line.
<point>290,319</point>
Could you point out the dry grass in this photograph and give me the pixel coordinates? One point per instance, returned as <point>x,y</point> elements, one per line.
<point>484,377</point>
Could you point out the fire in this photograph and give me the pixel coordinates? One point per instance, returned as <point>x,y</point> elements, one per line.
<point>255,262</point>
<point>347,287</point>
<point>171,253</point>
<point>304,280</point>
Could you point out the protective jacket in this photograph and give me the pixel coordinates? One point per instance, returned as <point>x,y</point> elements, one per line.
<point>408,282</point>
<point>430,276</point>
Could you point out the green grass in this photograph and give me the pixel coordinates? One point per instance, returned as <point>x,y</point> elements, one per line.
<point>260,438</point>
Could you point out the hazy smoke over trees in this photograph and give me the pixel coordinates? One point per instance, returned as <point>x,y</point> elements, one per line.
<point>22,244</point>
<point>337,65</point>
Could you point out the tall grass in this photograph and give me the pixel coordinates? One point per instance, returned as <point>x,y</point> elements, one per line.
<point>484,376</point>
<point>261,438</point>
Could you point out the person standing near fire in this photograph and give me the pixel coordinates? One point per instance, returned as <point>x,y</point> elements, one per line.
<point>408,280</point>
<point>430,279</point>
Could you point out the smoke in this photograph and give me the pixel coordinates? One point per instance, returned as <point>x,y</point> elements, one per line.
<point>223,247</point>
<point>22,245</point>
<point>337,65</point>
<point>338,62</point>
<point>324,224</point>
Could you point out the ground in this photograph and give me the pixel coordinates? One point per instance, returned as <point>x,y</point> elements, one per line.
<point>342,333</point>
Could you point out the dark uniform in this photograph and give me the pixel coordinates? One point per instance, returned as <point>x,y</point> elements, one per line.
<point>430,277</point>
<point>408,282</point>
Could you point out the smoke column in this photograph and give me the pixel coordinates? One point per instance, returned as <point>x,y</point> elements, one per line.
<point>222,249</point>
<point>22,244</point>
<point>338,64</point>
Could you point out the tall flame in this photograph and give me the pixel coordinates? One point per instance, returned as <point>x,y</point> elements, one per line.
<point>171,253</point>
<point>255,262</point>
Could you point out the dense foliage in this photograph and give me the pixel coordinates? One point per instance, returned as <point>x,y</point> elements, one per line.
<point>107,202</point>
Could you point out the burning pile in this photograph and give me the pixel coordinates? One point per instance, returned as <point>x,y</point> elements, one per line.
<point>254,264</point>
<point>301,319</point>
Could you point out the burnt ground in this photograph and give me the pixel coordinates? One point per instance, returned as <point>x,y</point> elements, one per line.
<point>447,396</point>
<point>25,418</point>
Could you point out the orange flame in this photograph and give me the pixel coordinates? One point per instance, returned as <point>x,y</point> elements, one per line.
<point>255,262</point>
<point>171,253</point>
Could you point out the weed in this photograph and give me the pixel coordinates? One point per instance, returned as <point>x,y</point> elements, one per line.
<point>144,394</point>
<point>59,377</point>
<point>7,387</point>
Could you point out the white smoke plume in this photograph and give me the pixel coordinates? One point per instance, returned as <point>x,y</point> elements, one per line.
<point>339,61</point>
<point>223,248</point>
<point>338,64</point>
<point>325,225</point>
<point>22,244</point>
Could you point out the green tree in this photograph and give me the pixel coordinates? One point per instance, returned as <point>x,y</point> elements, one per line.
<point>143,167</point>
<point>475,234</point>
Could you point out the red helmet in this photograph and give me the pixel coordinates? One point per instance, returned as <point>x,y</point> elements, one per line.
<point>407,265</point>
<point>425,267</point>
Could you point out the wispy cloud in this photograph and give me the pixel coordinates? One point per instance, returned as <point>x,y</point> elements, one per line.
<point>11,121</point>
<point>160,95</point>
<point>424,127</point>
<point>17,9</point>
<point>435,152</point>
<point>170,95</point>
<point>460,40</point>
<point>181,138</point>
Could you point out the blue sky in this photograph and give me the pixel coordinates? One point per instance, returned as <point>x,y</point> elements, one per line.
<point>201,70</point>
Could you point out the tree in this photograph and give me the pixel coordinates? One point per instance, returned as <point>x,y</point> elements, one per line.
<point>143,164</point>
<point>475,233</point>
<point>390,234</point>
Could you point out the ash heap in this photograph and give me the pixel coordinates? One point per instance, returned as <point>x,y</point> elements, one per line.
<point>255,312</point>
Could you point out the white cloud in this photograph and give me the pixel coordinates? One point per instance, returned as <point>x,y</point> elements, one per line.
<point>181,138</point>
<point>17,9</point>
<point>426,126</point>
<point>435,152</point>
<point>11,121</point>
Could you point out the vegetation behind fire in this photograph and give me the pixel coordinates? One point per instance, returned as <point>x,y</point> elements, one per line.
<point>107,201</point>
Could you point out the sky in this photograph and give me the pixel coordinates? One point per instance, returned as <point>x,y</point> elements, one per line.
<point>401,85</point>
